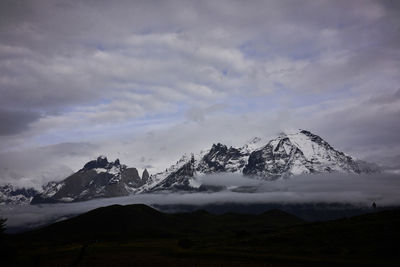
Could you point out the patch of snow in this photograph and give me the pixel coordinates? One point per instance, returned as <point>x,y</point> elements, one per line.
<point>253,144</point>
<point>114,170</point>
<point>100,170</point>
<point>298,168</point>
<point>232,187</point>
<point>66,199</point>
<point>114,180</point>
<point>193,182</point>
<point>309,148</point>
<point>53,188</point>
<point>100,189</point>
<point>84,192</point>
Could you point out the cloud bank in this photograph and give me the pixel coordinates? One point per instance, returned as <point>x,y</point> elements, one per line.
<point>359,190</point>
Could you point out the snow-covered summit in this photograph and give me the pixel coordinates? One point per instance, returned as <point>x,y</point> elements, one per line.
<point>297,153</point>
<point>290,153</point>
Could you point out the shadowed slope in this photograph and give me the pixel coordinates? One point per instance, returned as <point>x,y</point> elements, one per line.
<point>114,221</point>
<point>124,222</point>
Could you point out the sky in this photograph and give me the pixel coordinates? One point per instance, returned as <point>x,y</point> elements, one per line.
<point>146,81</point>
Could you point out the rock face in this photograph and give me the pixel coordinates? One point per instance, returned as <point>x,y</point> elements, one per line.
<point>289,154</point>
<point>9,195</point>
<point>98,178</point>
<point>220,158</point>
<point>179,179</point>
<point>145,176</point>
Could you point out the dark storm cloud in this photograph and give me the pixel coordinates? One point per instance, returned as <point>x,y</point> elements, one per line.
<point>14,122</point>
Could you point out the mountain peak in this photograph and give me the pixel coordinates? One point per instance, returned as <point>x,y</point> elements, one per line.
<point>297,153</point>
<point>145,175</point>
<point>218,145</point>
<point>254,140</point>
<point>306,132</point>
<point>100,162</point>
<point>295,132</point>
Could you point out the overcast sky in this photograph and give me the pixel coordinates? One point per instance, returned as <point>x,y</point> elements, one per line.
<point>146,81</point>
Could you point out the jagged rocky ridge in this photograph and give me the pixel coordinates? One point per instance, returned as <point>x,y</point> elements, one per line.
<point>288,154</point>
<point>98,178</point>
<point>10,195</point>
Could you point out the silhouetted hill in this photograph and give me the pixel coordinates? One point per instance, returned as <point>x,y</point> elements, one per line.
<point>140,235</point>
<point>124,222</point>
<point>110,222</point>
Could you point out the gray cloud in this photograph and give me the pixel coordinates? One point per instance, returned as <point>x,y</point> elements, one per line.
<point>14,122</point>
<point>63,65</point>
<point>105,73</point>
<point>385,98</point>
<point>198,114</point>
<point>36,166</point>
<point>359,190</point>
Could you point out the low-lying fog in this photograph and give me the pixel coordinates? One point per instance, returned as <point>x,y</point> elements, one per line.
<point>360,190</point>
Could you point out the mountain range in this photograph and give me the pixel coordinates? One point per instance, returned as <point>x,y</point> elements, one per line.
<point>287,155</point>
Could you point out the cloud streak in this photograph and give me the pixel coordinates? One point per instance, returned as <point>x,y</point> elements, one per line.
<point>358,190</point>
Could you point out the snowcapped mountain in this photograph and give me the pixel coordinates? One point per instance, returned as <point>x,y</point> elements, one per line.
<point>16,196</point>
<point>98,178</point>
<point>298,153</point>
<point>219,158</point>
<point>289,154</point>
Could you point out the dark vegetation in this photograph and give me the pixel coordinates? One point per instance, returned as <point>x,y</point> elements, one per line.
<point>310,212</point>
<point>137,235</point>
